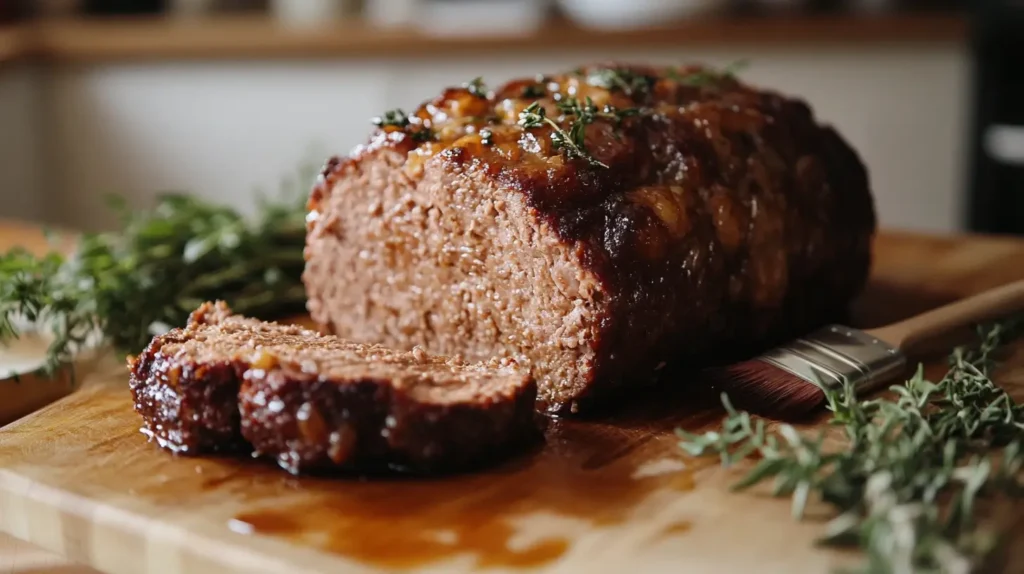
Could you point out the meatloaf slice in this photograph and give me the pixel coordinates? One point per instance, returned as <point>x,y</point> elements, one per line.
<point>224,382</point>
<point>363,407</point>
<point>595,224</point>
<point>185,382</point>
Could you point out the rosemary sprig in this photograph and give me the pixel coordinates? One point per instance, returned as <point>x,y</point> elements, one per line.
<point>913,470</point>
<point>573,140</point>
<point>123,287</point>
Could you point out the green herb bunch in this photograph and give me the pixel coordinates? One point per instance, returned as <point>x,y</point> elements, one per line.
<point>126,286</point>
<point>912,470</point>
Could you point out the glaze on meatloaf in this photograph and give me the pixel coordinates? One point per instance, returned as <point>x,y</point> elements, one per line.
<point>228,383</point>
<point>676,215</point>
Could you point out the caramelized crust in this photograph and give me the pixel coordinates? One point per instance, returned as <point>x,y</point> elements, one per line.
<point>717,219</point>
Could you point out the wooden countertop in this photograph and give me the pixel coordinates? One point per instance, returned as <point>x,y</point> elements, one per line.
<point>74,507</point>
<point>239,37</point>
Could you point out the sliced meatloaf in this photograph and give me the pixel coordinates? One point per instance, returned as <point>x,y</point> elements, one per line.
<point>224,382</point>
<point>185,383</point>
<point>363,407</point>
<point>595,223</point>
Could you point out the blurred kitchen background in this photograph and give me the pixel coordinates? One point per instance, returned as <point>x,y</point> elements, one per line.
<point>223,98</point>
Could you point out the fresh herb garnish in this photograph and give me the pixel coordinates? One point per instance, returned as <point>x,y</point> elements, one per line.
<point>476,87</point>
<point>912,471</point>
<point>422,134</point>
<point>707,78</point>
<point>533,91</point>
<point>399,119</point>
<point>629,83</point>
<point>124,287</point>
<point>573,140</point>
<point>393,118</point>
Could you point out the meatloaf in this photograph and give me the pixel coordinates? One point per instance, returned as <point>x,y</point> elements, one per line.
<point>595,223</point>
<point>228,383</point>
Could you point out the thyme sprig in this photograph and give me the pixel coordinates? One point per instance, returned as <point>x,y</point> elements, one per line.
<point>397,118</point>
<point>628,82</point>
<point>708,78</point>
<point>120,288</point>
<point>913,470</point>
<point>393,118</point>
<point>573,140</point>
<point>533,91</point>
<point>476,87</point>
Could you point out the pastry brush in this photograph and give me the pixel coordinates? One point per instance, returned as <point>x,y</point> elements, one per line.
<point>790,381</point>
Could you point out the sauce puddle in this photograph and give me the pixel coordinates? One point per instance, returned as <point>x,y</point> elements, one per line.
<point>591,474</point>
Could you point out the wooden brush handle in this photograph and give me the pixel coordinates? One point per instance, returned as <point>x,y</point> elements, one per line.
<point>914,335</point>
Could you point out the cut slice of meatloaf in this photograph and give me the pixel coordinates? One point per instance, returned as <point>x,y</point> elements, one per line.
<point>185,383</point>
<point>595,223</point>
<point>363,407</point>
<point>227,383</point>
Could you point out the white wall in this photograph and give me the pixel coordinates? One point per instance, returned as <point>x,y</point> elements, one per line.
<point>225,129</point>
<point>20,144</point>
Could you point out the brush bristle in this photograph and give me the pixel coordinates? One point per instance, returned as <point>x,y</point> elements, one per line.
<point>764,389</point>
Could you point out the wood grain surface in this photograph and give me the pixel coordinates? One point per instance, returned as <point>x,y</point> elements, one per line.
<point>611,494</point>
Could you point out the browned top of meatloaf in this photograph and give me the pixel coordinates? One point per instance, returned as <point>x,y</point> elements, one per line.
<point>213,334</point>
<point>711,200</point>
<point>726,119</point>
<point>690,131</point>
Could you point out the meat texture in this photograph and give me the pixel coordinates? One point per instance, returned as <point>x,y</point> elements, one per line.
<point>228,383</point>
<point>594,224</point>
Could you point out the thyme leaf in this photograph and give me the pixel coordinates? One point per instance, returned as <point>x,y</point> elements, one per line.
<point>399,119</point>
<point>708,78</point>
<point>476,87</point>
<point>533,91</point>
<point>394,118</point>
<point>629,83</point>
<point>914,470</point>
<point>422,134</point>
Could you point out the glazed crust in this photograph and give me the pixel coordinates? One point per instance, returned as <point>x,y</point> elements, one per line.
<point>188,407</point>
<point>308,423</point>
<point>726,219</point>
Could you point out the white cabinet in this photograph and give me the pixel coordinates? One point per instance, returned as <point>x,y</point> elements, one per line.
<point>227,129</point>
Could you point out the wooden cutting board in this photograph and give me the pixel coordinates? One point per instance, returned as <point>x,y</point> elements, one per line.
<point>22,395</point>
<point>607,495</point>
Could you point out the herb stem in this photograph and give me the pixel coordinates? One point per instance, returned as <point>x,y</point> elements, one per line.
<point>909,481</point>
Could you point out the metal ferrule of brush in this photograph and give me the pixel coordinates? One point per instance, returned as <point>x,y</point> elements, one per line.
<point>833,355</point>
